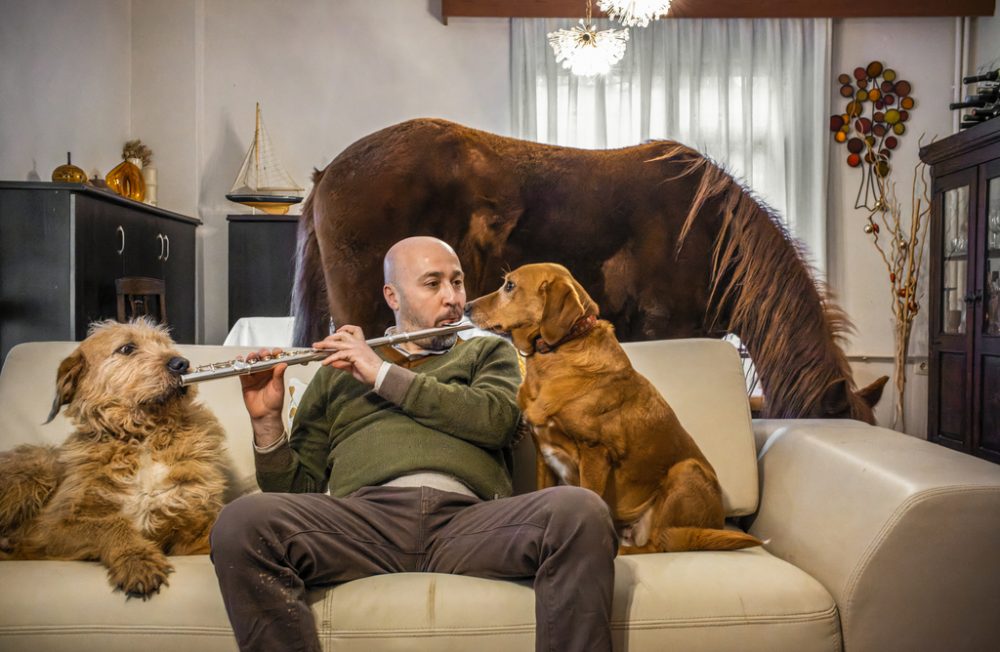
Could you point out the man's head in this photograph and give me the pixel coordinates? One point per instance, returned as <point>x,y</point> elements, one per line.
<point>425,287</point>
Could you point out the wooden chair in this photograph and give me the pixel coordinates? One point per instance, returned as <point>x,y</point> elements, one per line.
<point>137,294</point>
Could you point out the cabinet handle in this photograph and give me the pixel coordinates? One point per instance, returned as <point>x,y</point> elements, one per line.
<point>160,238</point>
<point>121,233</point>
<point>973,297</point>
<point>167,256</point>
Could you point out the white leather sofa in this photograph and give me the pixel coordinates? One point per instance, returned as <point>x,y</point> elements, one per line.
<point>876,541</point>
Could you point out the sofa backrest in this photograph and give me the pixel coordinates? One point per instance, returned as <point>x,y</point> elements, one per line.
<point>701,379</point>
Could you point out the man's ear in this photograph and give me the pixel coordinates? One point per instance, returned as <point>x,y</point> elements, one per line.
<point>67,379</point>
<point>562,309</point>
<point>391,297</point>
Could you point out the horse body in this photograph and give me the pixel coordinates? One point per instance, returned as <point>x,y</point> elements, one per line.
<point>665,242</point>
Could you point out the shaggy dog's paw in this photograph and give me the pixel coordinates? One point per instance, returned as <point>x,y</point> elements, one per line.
<point>140,575</point>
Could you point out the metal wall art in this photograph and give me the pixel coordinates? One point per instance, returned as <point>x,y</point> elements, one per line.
<point>878,105</point>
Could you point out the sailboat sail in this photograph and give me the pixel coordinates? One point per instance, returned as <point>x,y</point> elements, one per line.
<point>262,182</point>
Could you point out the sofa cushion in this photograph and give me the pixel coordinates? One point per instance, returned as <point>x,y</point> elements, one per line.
<point>744,600</point>
<point>703,381</point>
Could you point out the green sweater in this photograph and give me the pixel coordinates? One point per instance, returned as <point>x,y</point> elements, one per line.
<point>457,415</point>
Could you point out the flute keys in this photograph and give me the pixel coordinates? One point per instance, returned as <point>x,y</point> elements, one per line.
<point>215,366</point>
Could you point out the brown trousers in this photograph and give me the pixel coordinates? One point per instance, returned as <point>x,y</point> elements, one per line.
<point>269,548</point>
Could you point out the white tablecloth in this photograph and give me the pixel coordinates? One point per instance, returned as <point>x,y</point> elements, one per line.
<point>262,331</point>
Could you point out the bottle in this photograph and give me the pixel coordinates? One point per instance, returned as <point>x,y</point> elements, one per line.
<point>993,305</point>
<point>992,75</point>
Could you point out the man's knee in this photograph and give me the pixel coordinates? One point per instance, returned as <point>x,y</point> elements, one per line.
<point>581,513</point>
<point>239,524</point>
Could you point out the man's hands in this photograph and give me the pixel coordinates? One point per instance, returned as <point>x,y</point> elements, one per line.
<point>264,396</point>
<point>350,353</point>
<point>264,391</point>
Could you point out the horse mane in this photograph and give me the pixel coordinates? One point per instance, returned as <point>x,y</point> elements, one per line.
<point>756,266</point>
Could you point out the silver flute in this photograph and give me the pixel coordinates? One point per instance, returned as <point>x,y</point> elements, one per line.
<point>305,356</point>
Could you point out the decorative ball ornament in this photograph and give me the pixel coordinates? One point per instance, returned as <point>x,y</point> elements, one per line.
<point>868,228</point>
<point>69,173</point>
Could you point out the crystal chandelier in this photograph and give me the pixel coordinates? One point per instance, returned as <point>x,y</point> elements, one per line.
<point>633,13</point>
<point>584,50</point>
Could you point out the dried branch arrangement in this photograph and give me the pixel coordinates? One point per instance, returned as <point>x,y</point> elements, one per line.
<point>900,242</point>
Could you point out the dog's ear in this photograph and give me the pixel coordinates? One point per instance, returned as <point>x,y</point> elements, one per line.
<point>67,379</point>
<point>562,309</point>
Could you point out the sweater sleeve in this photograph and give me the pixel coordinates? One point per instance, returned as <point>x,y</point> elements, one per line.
<point>484,412</point>
<point>300,465</point>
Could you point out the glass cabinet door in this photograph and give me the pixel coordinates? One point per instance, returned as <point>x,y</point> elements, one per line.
<point>991,270</point>
<point>955,257</point>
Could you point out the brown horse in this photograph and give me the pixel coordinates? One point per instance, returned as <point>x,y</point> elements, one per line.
<point>665,241</point>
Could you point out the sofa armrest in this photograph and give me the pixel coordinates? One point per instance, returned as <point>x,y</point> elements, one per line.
<point>903,533</point>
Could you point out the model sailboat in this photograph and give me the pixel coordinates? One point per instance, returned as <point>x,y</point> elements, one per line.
<point>262,182</point>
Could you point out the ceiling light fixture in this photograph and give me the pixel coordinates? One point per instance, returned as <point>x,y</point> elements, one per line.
<point>585,51</point>
<point>634,13</point>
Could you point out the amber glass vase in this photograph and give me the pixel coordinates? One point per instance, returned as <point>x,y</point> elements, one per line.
<point>126,180</point>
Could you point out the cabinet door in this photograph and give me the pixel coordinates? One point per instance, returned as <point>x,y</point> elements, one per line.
<point>178,272</point>
<point>951,297</point>
<point>100,241</point>
<point>261,266</point>
<point>986,329</point>
<point>144,246</point>
<point>36,253</point>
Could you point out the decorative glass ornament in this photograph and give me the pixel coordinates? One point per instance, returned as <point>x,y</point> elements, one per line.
<point>69,173</point>
<point>126,180</point>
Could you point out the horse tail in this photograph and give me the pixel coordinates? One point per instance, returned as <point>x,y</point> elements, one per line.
<point>309,301</point>
<point>764,290</point>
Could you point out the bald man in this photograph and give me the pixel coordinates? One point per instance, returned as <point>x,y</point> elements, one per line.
<point>399,461</point>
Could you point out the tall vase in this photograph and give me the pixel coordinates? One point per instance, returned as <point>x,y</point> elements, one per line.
<point>901,334</point>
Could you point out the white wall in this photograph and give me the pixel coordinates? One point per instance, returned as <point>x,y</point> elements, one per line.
<point>64,85</point>
<point>986,43</point>
<point>921,50</point>
<point>325,73</point>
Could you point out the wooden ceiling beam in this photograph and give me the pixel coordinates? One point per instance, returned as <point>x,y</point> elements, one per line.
<point>727,8</point>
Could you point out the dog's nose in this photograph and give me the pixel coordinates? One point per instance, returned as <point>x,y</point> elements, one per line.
<point>468,309</point>
<point>178,365</point>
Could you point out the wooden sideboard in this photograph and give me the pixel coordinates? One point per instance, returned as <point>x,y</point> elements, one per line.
<point>261,265</point>
<point>62,245</point>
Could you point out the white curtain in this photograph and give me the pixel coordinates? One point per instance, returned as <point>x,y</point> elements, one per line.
<point>751,94</point>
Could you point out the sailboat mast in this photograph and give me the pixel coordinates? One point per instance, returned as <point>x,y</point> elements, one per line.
<point>256,144</point>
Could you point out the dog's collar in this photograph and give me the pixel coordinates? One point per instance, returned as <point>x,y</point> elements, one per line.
<point>581,327</point>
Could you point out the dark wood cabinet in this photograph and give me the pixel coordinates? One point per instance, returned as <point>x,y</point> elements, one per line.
<point>261,265</point>
<point>964,339</point>
<point>63,245</point>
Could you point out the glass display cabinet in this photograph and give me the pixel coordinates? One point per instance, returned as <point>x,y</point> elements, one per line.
<point>964,341</point>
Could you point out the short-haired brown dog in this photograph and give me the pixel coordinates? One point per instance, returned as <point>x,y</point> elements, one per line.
<point>142,476</point>
<point>598,423</point>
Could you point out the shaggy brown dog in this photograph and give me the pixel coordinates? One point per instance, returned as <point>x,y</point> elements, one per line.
<point>142,476</point>
<point>598,423</point>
